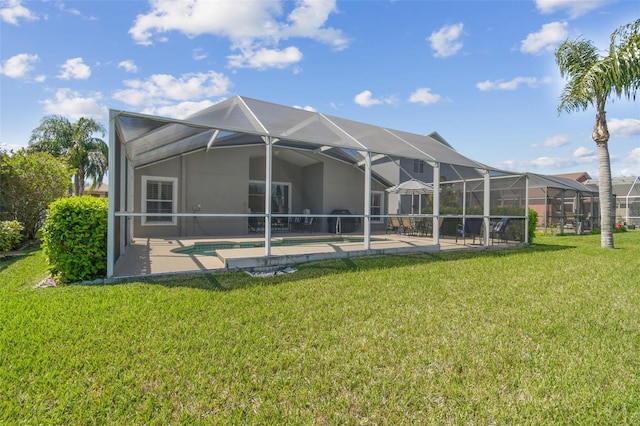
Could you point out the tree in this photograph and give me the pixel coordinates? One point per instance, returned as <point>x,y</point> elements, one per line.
<point>29,182</point>
<point>592,80</point>
<point>86,154</point>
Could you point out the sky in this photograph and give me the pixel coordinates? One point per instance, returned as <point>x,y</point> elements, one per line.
<point>480,73</point>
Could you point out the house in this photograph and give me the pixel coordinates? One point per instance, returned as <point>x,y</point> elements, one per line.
<point>581,177</point>
<point>243,160</point>
<point>100,191</point>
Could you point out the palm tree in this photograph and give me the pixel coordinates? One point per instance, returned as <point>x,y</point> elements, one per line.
<point>591,81</point>
<point>86,154</point>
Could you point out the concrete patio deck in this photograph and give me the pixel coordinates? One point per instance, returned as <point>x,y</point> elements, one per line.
<point>148,257</point>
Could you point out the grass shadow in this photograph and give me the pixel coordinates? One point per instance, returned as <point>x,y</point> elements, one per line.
<point>7,261</point>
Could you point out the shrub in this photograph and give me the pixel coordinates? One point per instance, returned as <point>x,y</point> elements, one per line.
<point>10,235</point>
<point>75,238</point>
<point>533,222</point>
<point>29,183</point>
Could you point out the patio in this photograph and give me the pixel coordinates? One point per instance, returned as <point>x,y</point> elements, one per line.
<point>245,169</point>
<point>157,256</point>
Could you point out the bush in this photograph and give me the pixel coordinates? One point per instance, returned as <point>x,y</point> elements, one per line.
<point>29,183</point>
<point>10,235</point>
<point>533,222</point>
<point>75,238</point>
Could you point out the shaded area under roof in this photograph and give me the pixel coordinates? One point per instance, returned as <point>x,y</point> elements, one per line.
<point>241,121</point>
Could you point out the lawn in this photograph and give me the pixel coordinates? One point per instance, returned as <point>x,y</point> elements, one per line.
<point>549,334</point>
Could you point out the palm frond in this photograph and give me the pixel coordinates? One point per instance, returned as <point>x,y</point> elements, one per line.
<point>623,62</point>
<point>577,60</point>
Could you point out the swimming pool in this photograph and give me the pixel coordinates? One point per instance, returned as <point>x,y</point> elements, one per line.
<point>210,248</point>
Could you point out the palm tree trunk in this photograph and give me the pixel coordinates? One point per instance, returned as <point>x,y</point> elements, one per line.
<point>78,182</point>
<point>601,137</point>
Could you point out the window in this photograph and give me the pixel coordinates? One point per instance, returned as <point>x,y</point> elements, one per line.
<point>377,206</point>
<point>418,166</point>
<point>280,200</point>
<point>159,195</point>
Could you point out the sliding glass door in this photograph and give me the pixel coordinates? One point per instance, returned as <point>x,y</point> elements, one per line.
<point>280,200</point>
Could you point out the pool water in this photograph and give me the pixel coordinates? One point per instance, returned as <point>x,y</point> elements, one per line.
<point>209,248</point>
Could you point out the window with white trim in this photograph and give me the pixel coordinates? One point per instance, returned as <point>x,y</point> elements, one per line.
<point>159,195</point>
<point>418,166</point>
<point>377,206</point>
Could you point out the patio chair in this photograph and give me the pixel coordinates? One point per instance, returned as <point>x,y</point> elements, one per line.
<point>407,226</point>
<point>295,223</point>
<point>254,224</point>
<point>307,223</point>
<point>500,230</point>
<point>393,225</point>
<point>472,228</point>
<point>424,226</point>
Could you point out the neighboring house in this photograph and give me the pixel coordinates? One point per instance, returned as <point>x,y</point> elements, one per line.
<point>405,169</point>
<point>581,177</point>
<point>100,191</point>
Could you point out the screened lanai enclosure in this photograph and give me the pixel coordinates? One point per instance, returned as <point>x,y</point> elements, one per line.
<point>245,168</point>
<point>626,191</point>
<point>564,204</point>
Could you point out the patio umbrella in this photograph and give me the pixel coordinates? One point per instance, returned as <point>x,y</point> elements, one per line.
<point>412,187</point>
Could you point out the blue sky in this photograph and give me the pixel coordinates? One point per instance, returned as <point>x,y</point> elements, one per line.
<point>480,73</point>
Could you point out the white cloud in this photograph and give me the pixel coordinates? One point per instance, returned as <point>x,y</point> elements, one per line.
<point>14,11</point>
<point>424,96</point>
<point>163,89</point>
<point>446,41</point>
<point>511,84</point>
<point>179,110</point>
<point>545,40</point>
<point>624,128</point>
<point>18,66</point>
<point>306,108</point>
<point>129,66</point>
<point>307,20</point>
<point>556,141</point>
<point>583,152</point>
<point>74,69</point>
<point>253,28</point>
<point>631,163</point>
<point>575,8</point>
<point>265,58</point>
<point>10,147</point>
<point>74,105</point>
<point>366,99</point>
<point>235,20</point>
<point>63,7</point>
<point>580,157</point>
<point>199,54</point>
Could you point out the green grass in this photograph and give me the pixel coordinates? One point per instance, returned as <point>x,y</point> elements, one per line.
<point>548,334</point>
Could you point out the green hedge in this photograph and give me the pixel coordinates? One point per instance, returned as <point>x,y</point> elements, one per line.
<point>533,222</point>
<point>10,235</point>
<point>75,238</point>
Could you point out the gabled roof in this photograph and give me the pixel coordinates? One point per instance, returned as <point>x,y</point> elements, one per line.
<point>546,181</point>
<point>581,177</point>
<point>241,121</point>
<point>437,136</point>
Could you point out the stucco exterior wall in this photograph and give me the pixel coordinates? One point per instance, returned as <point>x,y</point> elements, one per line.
<point>217,181</point>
